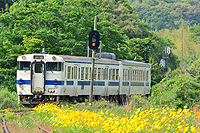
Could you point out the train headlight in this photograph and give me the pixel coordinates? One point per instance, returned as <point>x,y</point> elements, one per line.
<point>23,57</point>
<point>54,58</point>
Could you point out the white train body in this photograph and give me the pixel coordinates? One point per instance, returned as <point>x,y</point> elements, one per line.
<point>43,76</point>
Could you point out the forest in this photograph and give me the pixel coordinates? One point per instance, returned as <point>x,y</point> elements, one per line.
<point>128,28</point>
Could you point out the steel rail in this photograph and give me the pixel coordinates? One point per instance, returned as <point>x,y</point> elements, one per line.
<point>40,126</point>
<point>4,126</point>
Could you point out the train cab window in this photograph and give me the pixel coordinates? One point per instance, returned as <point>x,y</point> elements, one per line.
<point>54,66</point>
<point>38,68</point>
<point>23,65</point>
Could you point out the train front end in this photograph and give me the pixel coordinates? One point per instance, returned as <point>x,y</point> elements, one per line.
<point>40,77</point>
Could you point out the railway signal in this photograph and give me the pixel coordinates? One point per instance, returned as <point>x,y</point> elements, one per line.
<point>94,39</point>
<point>165,55</point>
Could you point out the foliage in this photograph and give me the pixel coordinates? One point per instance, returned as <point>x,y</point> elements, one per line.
<point>167,14</point>
<point>178,88</point>
<point>181,38</point>
<point>5,4</point>
<point>63,26</point>
<point>8,99</point>
<point>196,34</point>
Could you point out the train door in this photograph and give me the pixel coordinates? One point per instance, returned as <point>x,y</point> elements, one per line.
<point>37,77</point>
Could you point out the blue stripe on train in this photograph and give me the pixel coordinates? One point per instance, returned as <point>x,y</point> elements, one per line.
<point>25,82</point>
<point>86,83</point>
<point>53,82</point>
<point>113,83</point>
<point>48,82</point>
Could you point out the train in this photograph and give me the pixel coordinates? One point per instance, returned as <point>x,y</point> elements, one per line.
<point>46,77</point>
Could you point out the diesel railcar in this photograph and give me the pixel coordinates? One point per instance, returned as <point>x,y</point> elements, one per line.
<point>44,77</point>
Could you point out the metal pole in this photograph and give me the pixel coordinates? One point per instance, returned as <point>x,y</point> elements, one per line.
<point>100,49</point>
<point>95,23</point>
<point>92,78</point>
<point>88,51</point>
<point>92,69</point>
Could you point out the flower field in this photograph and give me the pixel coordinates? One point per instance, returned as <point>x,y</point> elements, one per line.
<point>150,120</point>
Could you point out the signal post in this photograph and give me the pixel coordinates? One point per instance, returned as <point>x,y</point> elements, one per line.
<point>93,44</point>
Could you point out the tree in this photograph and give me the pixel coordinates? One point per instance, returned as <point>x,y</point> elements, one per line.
<point>181,38</point>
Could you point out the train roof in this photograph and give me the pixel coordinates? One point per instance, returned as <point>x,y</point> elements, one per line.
<point>88,59</point>
<point>67,57</point>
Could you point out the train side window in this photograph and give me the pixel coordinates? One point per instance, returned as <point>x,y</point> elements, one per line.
<point>101,77</point>
<point>123,74</point>
<point>99,73</point>
<point>140,75</point>
<point>82,73</point>
<point>110,74</point>
<point>126,74</point>
<point>69,72</point>
<point>87,73</point>
<point>117,74</point>
<point>105,74</point>
<point>72,75</point>
<point>136,75</point>
<point>142,78</point>
<point>147,76</point>
<point>131,75</point>
<point>95,73</point>
<point>75,72</point>
<point>113,74</point>
<point>22,65</point>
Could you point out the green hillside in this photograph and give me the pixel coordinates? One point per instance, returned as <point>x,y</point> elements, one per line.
<point>167,14</point>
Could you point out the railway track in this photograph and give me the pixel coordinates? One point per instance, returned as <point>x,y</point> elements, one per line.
<point>7,130</point>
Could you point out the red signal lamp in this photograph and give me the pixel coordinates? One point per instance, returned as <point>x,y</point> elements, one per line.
<point>55,79</point>
<point>20,79</point>
<point>93,44</point>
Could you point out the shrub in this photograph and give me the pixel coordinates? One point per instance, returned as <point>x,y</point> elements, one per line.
<point>178,88</point>
<point>8,99</point>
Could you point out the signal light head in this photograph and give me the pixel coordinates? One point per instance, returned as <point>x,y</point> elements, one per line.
<point>94,39</point>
